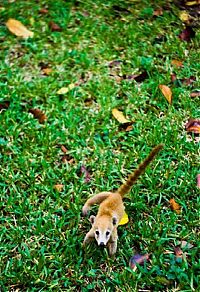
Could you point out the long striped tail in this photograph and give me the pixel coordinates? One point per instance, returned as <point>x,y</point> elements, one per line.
<point>125,188</point>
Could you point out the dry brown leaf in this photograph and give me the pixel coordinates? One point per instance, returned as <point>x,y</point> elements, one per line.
<point>18,29</point>
<point>177,63</point>
<point>195,94</point>
<point>158,12</point>
<point>129,128</point>
<point>185,244</point>
<point>4,104</point>
<point>198,180</point>
<point>54,26</point>
<point>138,259</point>
<point>47,71</point>
<point>193,126</point>
<point>178,252</point>
<point>175,206</point>
<point>119,116</point>
<point>173,77</point>
<point>43,11</point>
<point>137,77</point>
<point>194,129</point>
<point>64,149</point>
<point>187,34</point>
<point>38,114</point>
<point>59,187</point>
<point>166,91</point>
<point>67,158</point>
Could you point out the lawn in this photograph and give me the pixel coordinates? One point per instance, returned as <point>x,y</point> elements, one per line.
<point>58,149</point>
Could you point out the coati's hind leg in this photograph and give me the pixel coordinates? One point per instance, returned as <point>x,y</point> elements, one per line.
<point>112,244</point>
<point>97,199</point>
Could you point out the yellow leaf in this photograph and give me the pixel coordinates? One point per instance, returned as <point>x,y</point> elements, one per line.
<point>184,16</point>
<point>64,90</point>
<point>191,3</point>
<point>119,116</point>
<point>177,63</point>
<point>124,219</point>
<point>18,29</point>
<point>175,206</point>
<point>166,91</point>
<point>59,187</point>
<point>47,71</point>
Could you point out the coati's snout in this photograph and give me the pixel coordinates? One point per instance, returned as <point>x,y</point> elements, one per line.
<point>103,228</point>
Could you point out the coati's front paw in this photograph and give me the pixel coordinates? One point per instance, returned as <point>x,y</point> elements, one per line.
<point>85,210</point>
<point>112,248</point>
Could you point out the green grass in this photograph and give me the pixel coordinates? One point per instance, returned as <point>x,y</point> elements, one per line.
<point>42,229</point>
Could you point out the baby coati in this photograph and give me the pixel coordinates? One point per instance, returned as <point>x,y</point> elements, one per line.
<point>111,209</point>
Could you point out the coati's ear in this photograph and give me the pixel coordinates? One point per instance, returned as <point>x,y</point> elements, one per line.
<point>92,218</point>
<point>114,220</point>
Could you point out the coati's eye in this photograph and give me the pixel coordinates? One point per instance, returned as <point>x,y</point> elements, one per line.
<point>107,233</point>
<point>97,232</point>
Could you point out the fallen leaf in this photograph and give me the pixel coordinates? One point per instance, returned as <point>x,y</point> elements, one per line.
<point>187,34</point>
<point>115,63</point>
<point>194,129</point>
<point>177,63</point>
<point>86,173</point>
<point>178,252</point>
<point>184,81</point>
<point>47,71</point>
<point>166,91</point>
<point>193,126</point>
<point>124,219</point>
<point>184,16</point>
<point>163,280</point>
<point>192,3</point>
<point>138,77</point>
<point>189,80</point>
<point>43,11</point>
<point>54,26</point>
<point>64,149</point>
<point>38,114</point>
<point>65,90</point>
<point>4,104</point>
<point>195,94</point>
<point>119,116</point>
<point>67,158</point>
<point>173,77</point>
<point>185,244</point>
<point>59,187</point>
<point>175,206</point>
<point>198,180</point>
<point>138,259</point>
<point>18,29</point>
<point>158,12</point>
<point>129,128</point>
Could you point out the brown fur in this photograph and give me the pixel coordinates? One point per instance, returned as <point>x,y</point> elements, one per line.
<point>111,209</point>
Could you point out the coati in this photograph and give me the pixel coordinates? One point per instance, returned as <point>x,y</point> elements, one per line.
<point>111,209</point>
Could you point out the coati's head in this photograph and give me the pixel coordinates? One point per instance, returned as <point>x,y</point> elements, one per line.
<point>103,228</point>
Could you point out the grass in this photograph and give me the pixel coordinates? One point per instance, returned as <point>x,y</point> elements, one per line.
<point>42,229</point>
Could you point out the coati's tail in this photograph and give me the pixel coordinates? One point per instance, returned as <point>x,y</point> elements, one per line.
<point>125,188</point>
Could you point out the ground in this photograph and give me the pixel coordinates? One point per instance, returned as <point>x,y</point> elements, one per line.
<point>57,149</point>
